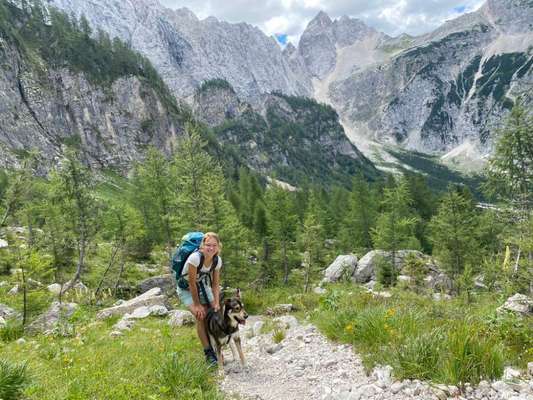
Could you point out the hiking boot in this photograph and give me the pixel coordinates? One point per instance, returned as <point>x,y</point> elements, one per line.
<point>210,357</point>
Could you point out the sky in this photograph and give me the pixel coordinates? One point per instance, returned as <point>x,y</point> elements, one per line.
<point>287,19</point>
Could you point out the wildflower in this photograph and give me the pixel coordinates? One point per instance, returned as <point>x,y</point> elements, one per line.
<point>349,328</point>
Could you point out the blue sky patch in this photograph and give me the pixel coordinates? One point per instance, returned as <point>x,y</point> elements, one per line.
<point>459,9</point>
<point>281,38</point>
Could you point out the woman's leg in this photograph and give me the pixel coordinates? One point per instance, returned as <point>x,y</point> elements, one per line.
<point>201,330</point>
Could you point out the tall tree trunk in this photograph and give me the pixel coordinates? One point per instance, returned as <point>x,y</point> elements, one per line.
<point>25,298</point>
<point>111,263</point>
<point>285,262</point>
<point>121,271</point>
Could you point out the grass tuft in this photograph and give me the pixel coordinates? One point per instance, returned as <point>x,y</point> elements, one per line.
<point>13,378</point>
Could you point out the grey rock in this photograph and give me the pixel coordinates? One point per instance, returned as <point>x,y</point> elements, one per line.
<point>2,322</point>
<point>257,327</point>
<point>150,298</point>
<point>274,348</point>
<point>366,267</point>
<point>343,266</point>
<point>13,291</point>
<point>54,288</point>
<point>397,387</point>
<point>7,312</point>
<point>510,373</point>
<point>279,309</point>
<point>166,282</point>
<point>3,244</point>
<point>158,310</point>
<point>138,313</point>
<point>50,320</point>
<point>125,324</point>
<point>319,290</point>
<point>518,303</point>
<point>383,376</point>
<point>20,341</point>
<point>180,318</point>
<point>286,321</point>
<point>116,334</point>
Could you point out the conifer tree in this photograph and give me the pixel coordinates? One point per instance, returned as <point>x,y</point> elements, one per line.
<point>510,179</point>
<point>361,217</point>
<point>73,185</point>
<point>311,239</point>
<point>453,233</point>
<point>200,183</point>
<point>395,226</point>
<point>282,224</point>
<point>154,195</point>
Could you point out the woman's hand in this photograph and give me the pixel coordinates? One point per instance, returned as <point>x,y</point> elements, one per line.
<point>198,311</point>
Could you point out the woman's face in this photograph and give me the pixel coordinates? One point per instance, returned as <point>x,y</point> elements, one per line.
<point>210,247</point>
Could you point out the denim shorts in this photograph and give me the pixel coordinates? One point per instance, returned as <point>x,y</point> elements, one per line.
<point>186,296</point>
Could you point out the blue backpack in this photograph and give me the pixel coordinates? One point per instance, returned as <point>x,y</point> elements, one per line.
<point>190,243</point>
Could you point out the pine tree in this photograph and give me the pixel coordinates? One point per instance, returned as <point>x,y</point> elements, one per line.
<point>395,226</point>
<point>361,217</point>
<point>73,185</point>
<point>311,239</point>
<point>154,195</point>
<point>200,183</point>
<point>510,179</point>
<point>282,224</point>
<point>453,233</point>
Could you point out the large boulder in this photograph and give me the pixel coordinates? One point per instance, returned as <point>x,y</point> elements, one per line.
<point>343,266</point>
<point>51,319</point>
<point>439,282</point>
<point>518,303</point>
<point>166,282</point>
<point>152,297</point>
<point>367,266</point>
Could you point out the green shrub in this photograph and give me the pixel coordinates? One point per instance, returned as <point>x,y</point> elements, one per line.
<point>11,331</point>
<point>470,357</point>
<point>386,275</point>
<point>187,378</point>
<point>13,378</point>
<point>278,335</point>
<point>418,357</point>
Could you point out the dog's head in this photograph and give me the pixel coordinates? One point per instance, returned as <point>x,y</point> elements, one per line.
<point>234,310</point>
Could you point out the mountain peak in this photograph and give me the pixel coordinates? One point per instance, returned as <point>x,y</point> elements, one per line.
<point>321,20</point>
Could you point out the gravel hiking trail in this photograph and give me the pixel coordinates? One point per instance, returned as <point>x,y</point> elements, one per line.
<point>307,366</point>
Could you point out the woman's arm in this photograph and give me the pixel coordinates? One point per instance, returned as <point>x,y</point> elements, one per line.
<point>198,310</point>
<point>216,289</point>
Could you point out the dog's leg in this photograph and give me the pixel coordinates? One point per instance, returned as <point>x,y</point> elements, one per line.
<point>237,340</point>
<point>233,349</point>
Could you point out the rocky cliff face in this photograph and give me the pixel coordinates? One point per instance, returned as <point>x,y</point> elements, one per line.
<point>45,109</point>
<point>294,139</point>
<point>446,91</point>
<point>187,51</point>
<point>443,91</point>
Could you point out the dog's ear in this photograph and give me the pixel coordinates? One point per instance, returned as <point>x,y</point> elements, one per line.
<point>238,293</point>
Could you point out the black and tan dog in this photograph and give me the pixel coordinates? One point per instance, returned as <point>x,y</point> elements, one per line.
<point>223,327</point>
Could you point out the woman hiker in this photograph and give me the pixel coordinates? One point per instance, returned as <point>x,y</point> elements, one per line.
<point>209,277</point>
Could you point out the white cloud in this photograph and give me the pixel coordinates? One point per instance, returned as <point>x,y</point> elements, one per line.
<point>291,16</point>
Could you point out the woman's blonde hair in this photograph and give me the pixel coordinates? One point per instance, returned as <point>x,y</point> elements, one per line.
<point>213,235</point>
